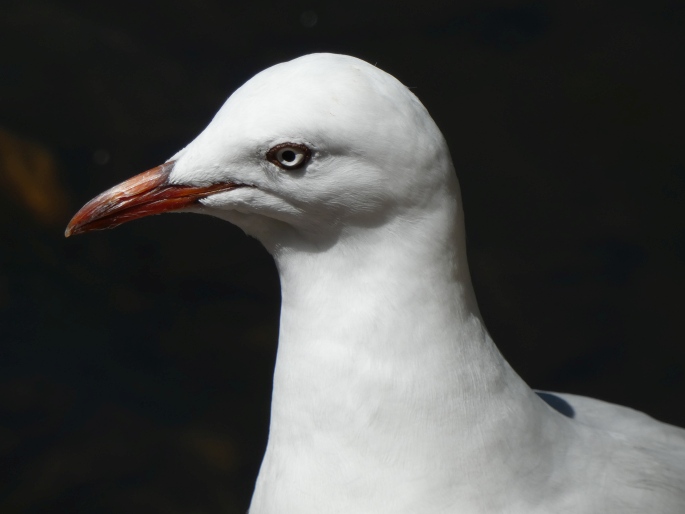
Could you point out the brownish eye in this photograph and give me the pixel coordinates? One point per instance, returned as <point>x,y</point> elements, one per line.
<point>289,156</point>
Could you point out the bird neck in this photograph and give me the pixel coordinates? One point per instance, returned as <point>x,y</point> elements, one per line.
<point>384,364</point>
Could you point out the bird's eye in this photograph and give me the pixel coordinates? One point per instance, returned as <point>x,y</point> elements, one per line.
<point>289,156</point>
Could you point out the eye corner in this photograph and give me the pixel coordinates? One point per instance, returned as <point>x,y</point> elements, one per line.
<point>289,156</point>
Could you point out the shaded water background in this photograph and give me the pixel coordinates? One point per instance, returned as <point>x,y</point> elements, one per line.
<point>135,364</point>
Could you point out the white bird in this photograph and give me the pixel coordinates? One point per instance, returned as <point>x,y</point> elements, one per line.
<point>389,395</point>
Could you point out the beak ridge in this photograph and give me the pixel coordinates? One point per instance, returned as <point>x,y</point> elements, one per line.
<point>145,194</point>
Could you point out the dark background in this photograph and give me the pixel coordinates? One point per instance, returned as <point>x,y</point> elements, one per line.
<point>135,364</point>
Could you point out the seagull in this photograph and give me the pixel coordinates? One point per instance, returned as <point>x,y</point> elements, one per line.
<point>389,395</point>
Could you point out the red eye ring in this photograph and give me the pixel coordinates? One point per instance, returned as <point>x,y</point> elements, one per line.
<point>289,156</point>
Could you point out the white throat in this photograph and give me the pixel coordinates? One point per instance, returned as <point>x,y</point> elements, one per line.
<point>387,384</point>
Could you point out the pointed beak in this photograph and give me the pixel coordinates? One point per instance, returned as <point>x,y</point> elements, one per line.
<point>143,195</point>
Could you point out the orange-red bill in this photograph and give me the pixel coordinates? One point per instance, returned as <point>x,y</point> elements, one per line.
<point>143,195</point>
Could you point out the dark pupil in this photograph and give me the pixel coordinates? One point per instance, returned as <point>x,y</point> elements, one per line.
<point>288,156</point>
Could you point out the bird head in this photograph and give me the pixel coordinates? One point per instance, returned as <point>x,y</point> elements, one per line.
<point>308,150</point>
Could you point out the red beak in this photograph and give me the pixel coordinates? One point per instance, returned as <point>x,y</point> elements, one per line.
<point>143,195</point>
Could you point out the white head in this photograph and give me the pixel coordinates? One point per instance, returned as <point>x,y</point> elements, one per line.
<point>363,151</point>
<point>374,150</point>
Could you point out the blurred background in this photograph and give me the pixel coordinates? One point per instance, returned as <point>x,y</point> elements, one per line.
<point>135,364</point>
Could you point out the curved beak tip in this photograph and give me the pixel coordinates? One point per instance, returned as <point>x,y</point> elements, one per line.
<point>145,194</point>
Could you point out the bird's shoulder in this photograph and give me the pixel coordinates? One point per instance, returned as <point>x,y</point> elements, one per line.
<point>617,419</point>
<point>623,457</point>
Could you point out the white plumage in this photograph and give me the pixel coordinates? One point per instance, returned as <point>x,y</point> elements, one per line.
<point>389,394</point>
